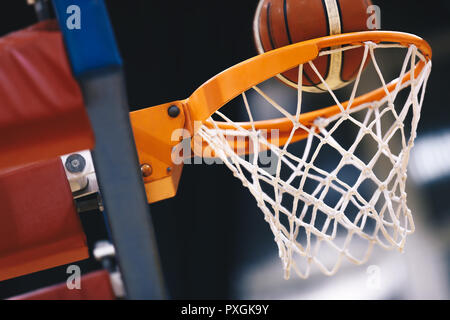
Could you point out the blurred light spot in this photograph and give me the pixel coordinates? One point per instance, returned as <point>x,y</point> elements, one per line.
<point>430,158</point>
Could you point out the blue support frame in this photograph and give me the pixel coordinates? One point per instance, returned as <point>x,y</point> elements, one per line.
<point>97,65</point>
<point>88,35</point>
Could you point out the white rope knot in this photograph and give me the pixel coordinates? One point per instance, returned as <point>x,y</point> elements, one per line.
<point>321,122</point>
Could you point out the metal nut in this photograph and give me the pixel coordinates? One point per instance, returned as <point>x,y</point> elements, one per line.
<point>146,170</point>
<point>75,163</point>
<point>173,111</point>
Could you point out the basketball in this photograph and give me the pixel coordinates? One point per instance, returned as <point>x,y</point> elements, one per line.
<point>279,23</point>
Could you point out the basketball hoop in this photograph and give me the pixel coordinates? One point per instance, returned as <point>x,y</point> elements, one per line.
<point>309,228</point>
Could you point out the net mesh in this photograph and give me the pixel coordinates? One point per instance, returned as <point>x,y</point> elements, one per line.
<point>319,214</point>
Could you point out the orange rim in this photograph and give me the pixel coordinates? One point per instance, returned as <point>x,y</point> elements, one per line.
<point>227,85</point>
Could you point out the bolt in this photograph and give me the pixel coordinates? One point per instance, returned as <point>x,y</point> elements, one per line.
<point>101,207</point>
<point>75,163</point>
<point>173,111</point>
<point>146,170</point>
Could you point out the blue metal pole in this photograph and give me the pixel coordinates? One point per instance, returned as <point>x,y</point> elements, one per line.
<point>97,65</point>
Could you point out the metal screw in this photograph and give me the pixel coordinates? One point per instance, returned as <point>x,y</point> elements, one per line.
<point>173,111</point>
<point>75,163</point>
<point>146,170</point>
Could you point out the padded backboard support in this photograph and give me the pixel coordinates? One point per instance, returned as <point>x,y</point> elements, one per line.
<point>39,228</point>
<point>42,114</point>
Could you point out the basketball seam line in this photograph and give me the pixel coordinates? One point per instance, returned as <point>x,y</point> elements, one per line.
<point>269,30</point>
<point>327,18</point>
<point>286,21</point>
<point>338,2</point>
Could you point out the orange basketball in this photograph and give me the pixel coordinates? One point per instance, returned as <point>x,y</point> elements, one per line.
<point>279,23</point>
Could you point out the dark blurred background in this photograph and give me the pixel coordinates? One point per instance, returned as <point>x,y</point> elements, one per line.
<point>213,241</point>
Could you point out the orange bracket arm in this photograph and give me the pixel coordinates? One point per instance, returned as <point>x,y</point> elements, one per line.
<point>153,129</point>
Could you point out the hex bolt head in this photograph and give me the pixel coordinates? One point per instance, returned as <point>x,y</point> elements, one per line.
<point>173,111</point>
<point>75,163</point>
<point>146,170</point>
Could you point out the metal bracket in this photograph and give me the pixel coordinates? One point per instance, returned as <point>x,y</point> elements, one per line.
<point>80,173</point>
<point>153,128</point>
<point>105,252</point>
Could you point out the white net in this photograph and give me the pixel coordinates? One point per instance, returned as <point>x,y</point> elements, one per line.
<point>321,214</point>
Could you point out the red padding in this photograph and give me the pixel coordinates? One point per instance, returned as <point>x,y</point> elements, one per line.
<point>94,286</point>
<point>42,114</point>
<point>39,225</point>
